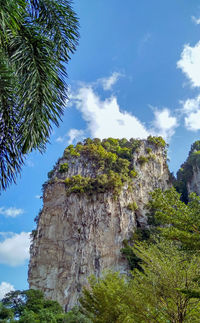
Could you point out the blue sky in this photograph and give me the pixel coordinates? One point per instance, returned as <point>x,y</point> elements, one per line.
<point>136,72</point>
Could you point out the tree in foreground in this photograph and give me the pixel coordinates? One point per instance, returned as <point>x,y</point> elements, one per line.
<point>36,40</point>
<point>176,220</point>
<point>30,306</point>
<point>75,316</point>
<point>156,294</point>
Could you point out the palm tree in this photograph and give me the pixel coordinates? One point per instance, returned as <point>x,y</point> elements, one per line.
<point>36,40</point>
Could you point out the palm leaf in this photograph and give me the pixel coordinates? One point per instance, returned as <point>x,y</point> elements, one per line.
<point>36,39</point>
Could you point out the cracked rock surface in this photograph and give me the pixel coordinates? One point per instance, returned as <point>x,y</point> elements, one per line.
<point>78,235</point>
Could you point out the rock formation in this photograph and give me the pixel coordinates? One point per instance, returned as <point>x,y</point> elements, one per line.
<point>188,176</point>
<point>94,200</point>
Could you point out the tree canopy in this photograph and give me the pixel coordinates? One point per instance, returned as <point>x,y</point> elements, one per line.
<point>176,220</point>
<point>163,285</point>
<point>37,38</point>
<point>159,293</point>
<point>30,306</point>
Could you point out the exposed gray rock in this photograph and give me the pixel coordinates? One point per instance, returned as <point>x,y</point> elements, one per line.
<point>193,184</point>
<point>79,235</point>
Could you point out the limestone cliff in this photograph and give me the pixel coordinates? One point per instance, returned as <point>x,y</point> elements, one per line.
<point>194,184</point>
<point>94,200</point>
<point>188,176</point>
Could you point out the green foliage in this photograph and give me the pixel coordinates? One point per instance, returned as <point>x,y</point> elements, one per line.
<point>37,39</point>
<point>99,184</point>
<point>150,153</point>
<point>50,174</point>
<point>75,316</point>
<point>143,160</point>
<point>166,272</point>
<point>107,298</point>
<point>6,314</point>
<point>77,184</point>
<point>64,168</point>
<point>30,306</point>
<point>148,150</point>
<point>111,157</point>
<point>71,151</point>
<point>157,141</point>
<point>139,234</point>
<point>195,146</point>
<point>153,295</point>
<point>11,157</point>
<point>166,269</point>
<point>107,150</point>
<point>127,251</point>
<point>132,206</point>
<point>177,221</point>
<point>98,153</point>
<point>151,156</point>
<point>133,173</point>
<point>33,234</point>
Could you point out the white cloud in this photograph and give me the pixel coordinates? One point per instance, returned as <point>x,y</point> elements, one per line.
<point>14,250</point>
<point>37,196</point>
<point>196,20</point>
<point>191,105</point>
<point>60,139</point>
<point>72,136</point>
<point>104,118</point>
<point>192,122</point>
<point>164,124</point>
<point>108,82</point>
<point>5,288</point>
<point>191,110</point>
<point>11,212</point>
<point>190,63</point>
<point>75,134</point>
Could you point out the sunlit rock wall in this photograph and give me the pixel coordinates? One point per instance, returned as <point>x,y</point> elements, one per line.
<point>78,235</point>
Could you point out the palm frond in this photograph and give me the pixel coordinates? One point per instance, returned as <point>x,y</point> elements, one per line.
<point>41,87</point>
<point>36,40</point>
<point>11,158</point>
<point>59,23</point>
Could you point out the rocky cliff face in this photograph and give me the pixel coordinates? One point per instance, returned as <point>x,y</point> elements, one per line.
<point>193,185</point>
<point>188,176</point>
<point>81,227</point>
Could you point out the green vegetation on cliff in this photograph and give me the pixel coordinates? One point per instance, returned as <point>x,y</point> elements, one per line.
<point>112,160</point>
<point>157,141</point>
<point>100,184</point>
